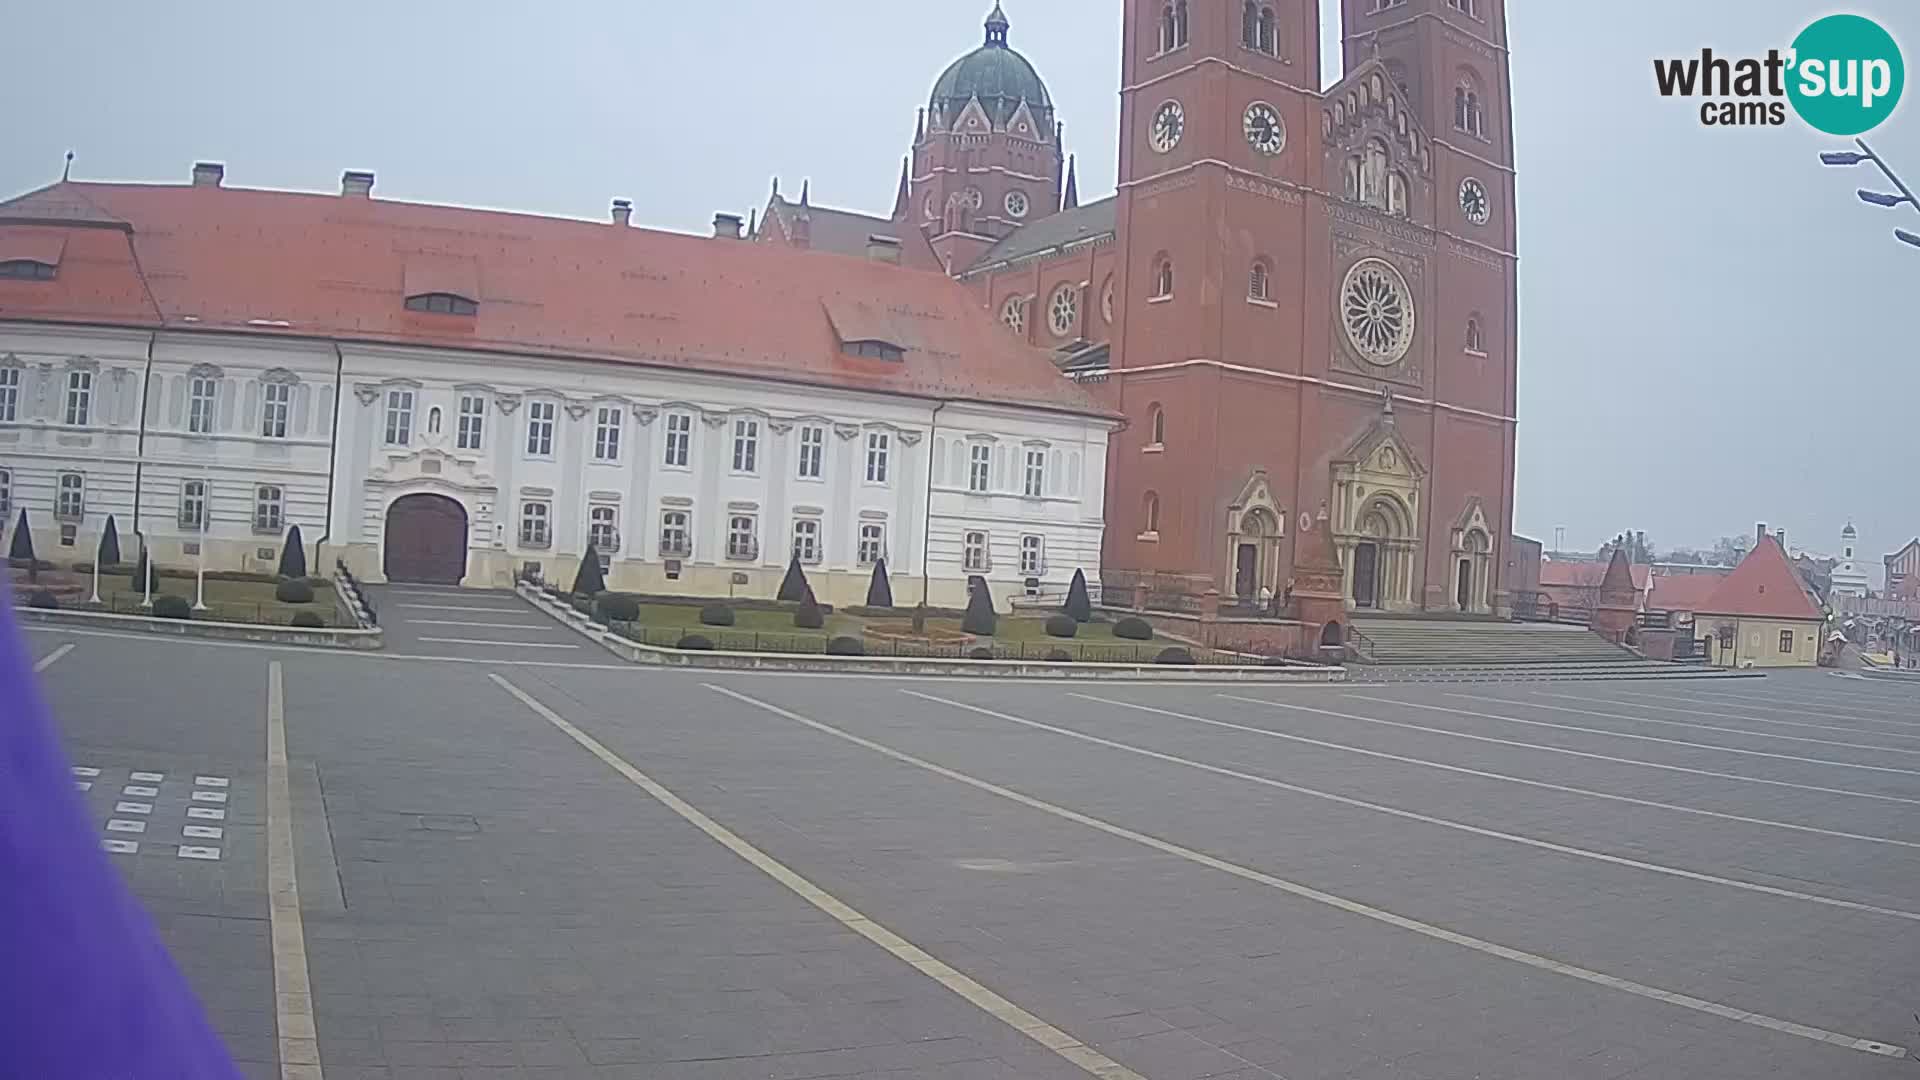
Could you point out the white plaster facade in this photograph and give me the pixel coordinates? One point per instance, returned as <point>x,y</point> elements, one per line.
<point>1849,574</point>
<point>1042,498</point>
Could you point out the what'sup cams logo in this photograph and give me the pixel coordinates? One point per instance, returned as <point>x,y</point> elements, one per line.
<point>1843,75</point>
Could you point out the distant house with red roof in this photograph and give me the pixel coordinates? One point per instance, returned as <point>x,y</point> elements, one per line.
<point>1763,614</point>
<point>1574,587</point>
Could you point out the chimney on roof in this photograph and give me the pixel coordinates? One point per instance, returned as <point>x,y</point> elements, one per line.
<point>727,226</point>
<point>1760,534</point>
<point>1782,537</point>
<point>356,184</point>
<point>623,212</point>
<point>208,173</point>
<point>884,249</point>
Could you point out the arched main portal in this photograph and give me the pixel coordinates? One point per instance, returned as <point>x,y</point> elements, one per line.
<point>425,541</point>
<point>1380,569</point>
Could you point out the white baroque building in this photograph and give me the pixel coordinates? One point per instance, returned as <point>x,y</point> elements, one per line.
<point>1849,575</point>
<point>448,395</point>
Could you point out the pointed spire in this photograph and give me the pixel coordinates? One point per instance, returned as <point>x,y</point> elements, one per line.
<point>901,197</point>
<point>806,193</point>
<point>997,26</point>
<point>920,127</point>
<point>776,187</point>
<point>1071,200</point>
<point>753,223</point>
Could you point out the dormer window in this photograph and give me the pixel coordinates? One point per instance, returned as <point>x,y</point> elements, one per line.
<point>26,270</point>
<point>440,303</point>
<point>874,350</point>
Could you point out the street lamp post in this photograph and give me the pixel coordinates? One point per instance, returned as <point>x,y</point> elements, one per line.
<point>200,571</point>
<point>98,543</point>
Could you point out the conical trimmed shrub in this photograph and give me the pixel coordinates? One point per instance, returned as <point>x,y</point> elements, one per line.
<point>1079,605</point>
<point>589,581</point>
<point>880,591</point>
<point>794,586</point>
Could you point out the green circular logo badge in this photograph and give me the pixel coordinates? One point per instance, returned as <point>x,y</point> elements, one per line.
<point>1847,75</point>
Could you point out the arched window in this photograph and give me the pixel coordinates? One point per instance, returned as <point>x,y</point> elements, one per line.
<point>1162,278</point>
<point>1269,33</point>
<point>1250,25</point>
<point>1150,514</point>
<point>1257,28</point>
<point>1397,194</point>
<point>1467,113</point>
<point>1260,282</point>
<point>1476,339</point>
<point>1173,26</point>
<point>1156,426</point>
<point>1353,177</point>
<point>1373,176</point>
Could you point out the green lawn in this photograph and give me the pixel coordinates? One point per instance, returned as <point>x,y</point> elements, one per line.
<point>687,616</point>
<point>227,601</point>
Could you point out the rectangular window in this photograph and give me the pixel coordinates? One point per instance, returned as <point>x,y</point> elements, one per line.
<point>473,418</point>
<point>979,467</point>
<point>1036,484</point>
<point>6,496</point>
<point>540,416</point>
<point>746,446</point>
<point>9,394</point>
<point>679,439</point>
<point>879,445</point>
<point>813,448</point>
<point>1786,641</point>
<point>873,543</point>
<point>603,528</point>
<point>193,505</point>
<point>1033,552</point>
<point>71,502</point>
<point>269,508</point>
<point>273,412</point>
<point>399,417</point>
<point>743,540</point>
<point>536,520</point>
<point>606,433</point>
<point>676,534</point>
<point>974,558</point>
<point>79,398</point>
<point>200,406</point>
<point>806,540</point>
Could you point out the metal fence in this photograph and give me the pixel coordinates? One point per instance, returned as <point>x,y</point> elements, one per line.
<point>802,643</point>
<point>265,613</point>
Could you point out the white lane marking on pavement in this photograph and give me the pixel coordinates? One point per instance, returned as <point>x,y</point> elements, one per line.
<point>132,808</point>
<point>210,796</point>
<point>1354,907</point>
<point>451,607</point>
<point>1486,775</point>
<point>1746,732</point>
<point>1066,1046</point>
<point>190,851</point>
<point>506,644</point>
<point>489,625</point>
<point>139,792</point>
<point>125,825</point>
<point>1695,710</point>
<point>83,785</point>
<point>1575,753</point>
<point>1411,815</point>
<point>1775,702</point>
<point>84,770</point>
<point>52,658</point>
<point>1648,738</point>
<point>206,813</point>
<point>122,847</point>
<point>292,993</point>
<point>210,781</point>
<point>202,832</point>
<point>146,777</point>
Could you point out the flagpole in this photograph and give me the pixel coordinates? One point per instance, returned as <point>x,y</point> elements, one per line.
<point>200,575</point>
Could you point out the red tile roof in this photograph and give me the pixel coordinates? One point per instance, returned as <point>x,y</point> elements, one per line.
<point>1763,586</point>
<point>1683,592</point>
<point>285,263</point>
<point>1588,575</point>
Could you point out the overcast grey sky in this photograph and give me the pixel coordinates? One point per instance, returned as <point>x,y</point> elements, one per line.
<point>1713,330</point>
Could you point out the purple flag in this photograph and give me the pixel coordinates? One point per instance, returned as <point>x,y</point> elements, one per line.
<point>86,988</point>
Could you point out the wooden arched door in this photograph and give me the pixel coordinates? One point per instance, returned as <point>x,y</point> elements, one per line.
<point>426,540</point>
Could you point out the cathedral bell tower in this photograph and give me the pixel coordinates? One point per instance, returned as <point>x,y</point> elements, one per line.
<point>986,152</point>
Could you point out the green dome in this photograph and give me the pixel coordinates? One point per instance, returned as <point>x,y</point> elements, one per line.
<point>994,73</point>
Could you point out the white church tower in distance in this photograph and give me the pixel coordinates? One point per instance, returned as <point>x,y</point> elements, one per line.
<point>1848,578</point>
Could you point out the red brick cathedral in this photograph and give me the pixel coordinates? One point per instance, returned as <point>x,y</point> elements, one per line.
<point>1302,300</point>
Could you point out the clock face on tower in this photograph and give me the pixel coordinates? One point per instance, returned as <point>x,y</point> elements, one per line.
<point>1169,123</point>
<point>1473,201</point>
<point>1265,131</point>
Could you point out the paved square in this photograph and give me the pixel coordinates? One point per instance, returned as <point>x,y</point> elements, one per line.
<point>510,864</point>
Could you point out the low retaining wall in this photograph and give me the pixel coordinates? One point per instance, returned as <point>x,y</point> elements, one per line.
<point>327,637</point>
<point>634,652</point>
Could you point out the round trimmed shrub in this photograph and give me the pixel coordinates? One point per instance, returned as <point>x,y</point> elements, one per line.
<point>44,600</point>
<point>1060,656</point>
<point>1062,626</point>
<point>980,653</point>
<point>293,591</point>
<point>1174,655</point>
<point>169,606</point>
<point>619,607</point>
<point>808,615</point>
<point>695,642</point>
<point>309,620</point>
<point>1133,629</point>
<point>716,615</point>
<point>846,646</point>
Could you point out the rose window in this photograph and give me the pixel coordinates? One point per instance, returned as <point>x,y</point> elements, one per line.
<point>1377,311</point>
<point>1062,311</point>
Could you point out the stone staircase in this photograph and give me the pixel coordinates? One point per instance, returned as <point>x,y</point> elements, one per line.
<point>1396,649</point>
